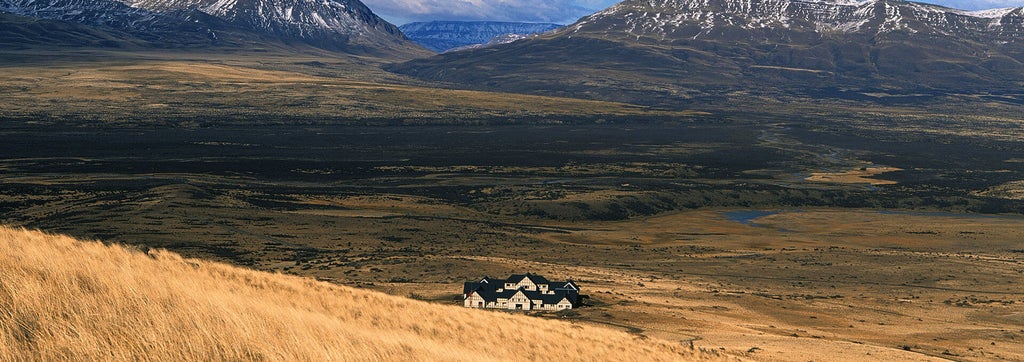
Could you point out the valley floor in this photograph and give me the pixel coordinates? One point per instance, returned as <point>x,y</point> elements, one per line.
<point>677,232</point>
<point>819,232</point>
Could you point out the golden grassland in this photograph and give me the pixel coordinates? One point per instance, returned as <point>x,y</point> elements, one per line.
<point>859,176</point>
<point>165,88</point>
<point>63,299</point>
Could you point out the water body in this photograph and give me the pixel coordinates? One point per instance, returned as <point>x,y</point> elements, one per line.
<point>748,217</point>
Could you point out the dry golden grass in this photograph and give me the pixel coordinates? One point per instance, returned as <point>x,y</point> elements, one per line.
<point>62,299</point>
<point>861,176</point>
<point>176,91</point>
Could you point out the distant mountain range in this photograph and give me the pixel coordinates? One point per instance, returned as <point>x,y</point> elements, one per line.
<point>341,25</point>
<point>678,51</point>
<point>442,36</point>
<point>659,52</point>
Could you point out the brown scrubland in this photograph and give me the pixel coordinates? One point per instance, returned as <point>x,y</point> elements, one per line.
<point>64,299</point>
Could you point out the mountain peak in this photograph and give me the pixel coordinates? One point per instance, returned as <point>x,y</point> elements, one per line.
<point>706,18</point>
<point>336,24</point>
<point>345,25</point>
<point>668,52</point>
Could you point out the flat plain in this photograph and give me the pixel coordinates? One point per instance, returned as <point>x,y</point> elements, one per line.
<point>815,235</point>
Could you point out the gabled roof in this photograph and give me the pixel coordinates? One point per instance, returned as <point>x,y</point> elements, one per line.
<point>572,296</point>
<point>488,294</point>
<point>566,285</point>
<point>515,278</point>
<point>485,286</point>
<point>507,293</point>
<point>493,281</point>
<point>470,287</point>
<point>488,288</point>
<point>537,279</point>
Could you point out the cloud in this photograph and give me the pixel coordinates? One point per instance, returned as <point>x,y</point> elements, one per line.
<point>555,11</point>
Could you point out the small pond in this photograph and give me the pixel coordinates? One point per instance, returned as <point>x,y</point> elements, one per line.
<point>747,217</point>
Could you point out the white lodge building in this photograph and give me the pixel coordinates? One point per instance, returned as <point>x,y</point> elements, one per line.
<point>522,292</point>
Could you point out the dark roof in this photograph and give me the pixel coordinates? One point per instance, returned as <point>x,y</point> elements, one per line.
<point>484,290</point>
<point>488,288</point>
<point>537,279</point>
<point>507,293</point>
<point>559,295</point>
<point>515,278</point>
<point>469,287</point>
<point>488,291</point>
<point>566,285</point>
<point>492,281</point>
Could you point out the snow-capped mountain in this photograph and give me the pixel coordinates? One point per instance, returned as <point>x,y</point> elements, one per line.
<point>345,25</point>
<point>441,36</point>
<point>709,18</point>
<point>102,13</point>
<point>667,51</point>
<point>328,23</point>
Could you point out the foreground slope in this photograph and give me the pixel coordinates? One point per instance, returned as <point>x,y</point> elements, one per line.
<point>665,51</point>
<point>63,299</point>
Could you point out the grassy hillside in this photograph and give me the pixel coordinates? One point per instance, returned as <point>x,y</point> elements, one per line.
<point>63,299</point>
<point>168,89</point>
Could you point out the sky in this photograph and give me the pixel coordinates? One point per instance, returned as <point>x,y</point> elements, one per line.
<point>551,11</point>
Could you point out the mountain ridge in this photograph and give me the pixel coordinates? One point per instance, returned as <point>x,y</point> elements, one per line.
<point>671,52</point>
<point>441,36</point>
<point>824,16</point>
<point>337,25</point>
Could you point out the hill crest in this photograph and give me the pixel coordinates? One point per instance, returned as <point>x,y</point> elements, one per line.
<point>65,299</point>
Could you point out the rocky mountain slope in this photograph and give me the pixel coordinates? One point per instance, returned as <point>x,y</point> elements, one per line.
<point>122,21</point>
<point>342,25</point>
<point>24,32</point>
<point>678,51</point>
<point>442,36</point>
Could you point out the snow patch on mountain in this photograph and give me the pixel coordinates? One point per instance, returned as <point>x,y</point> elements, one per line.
<point>332,24</point>
<point>699,18</point>
<point>992,13</point>
<point>89,12</point>
<point>444,36</point>
<point>294,18</point>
